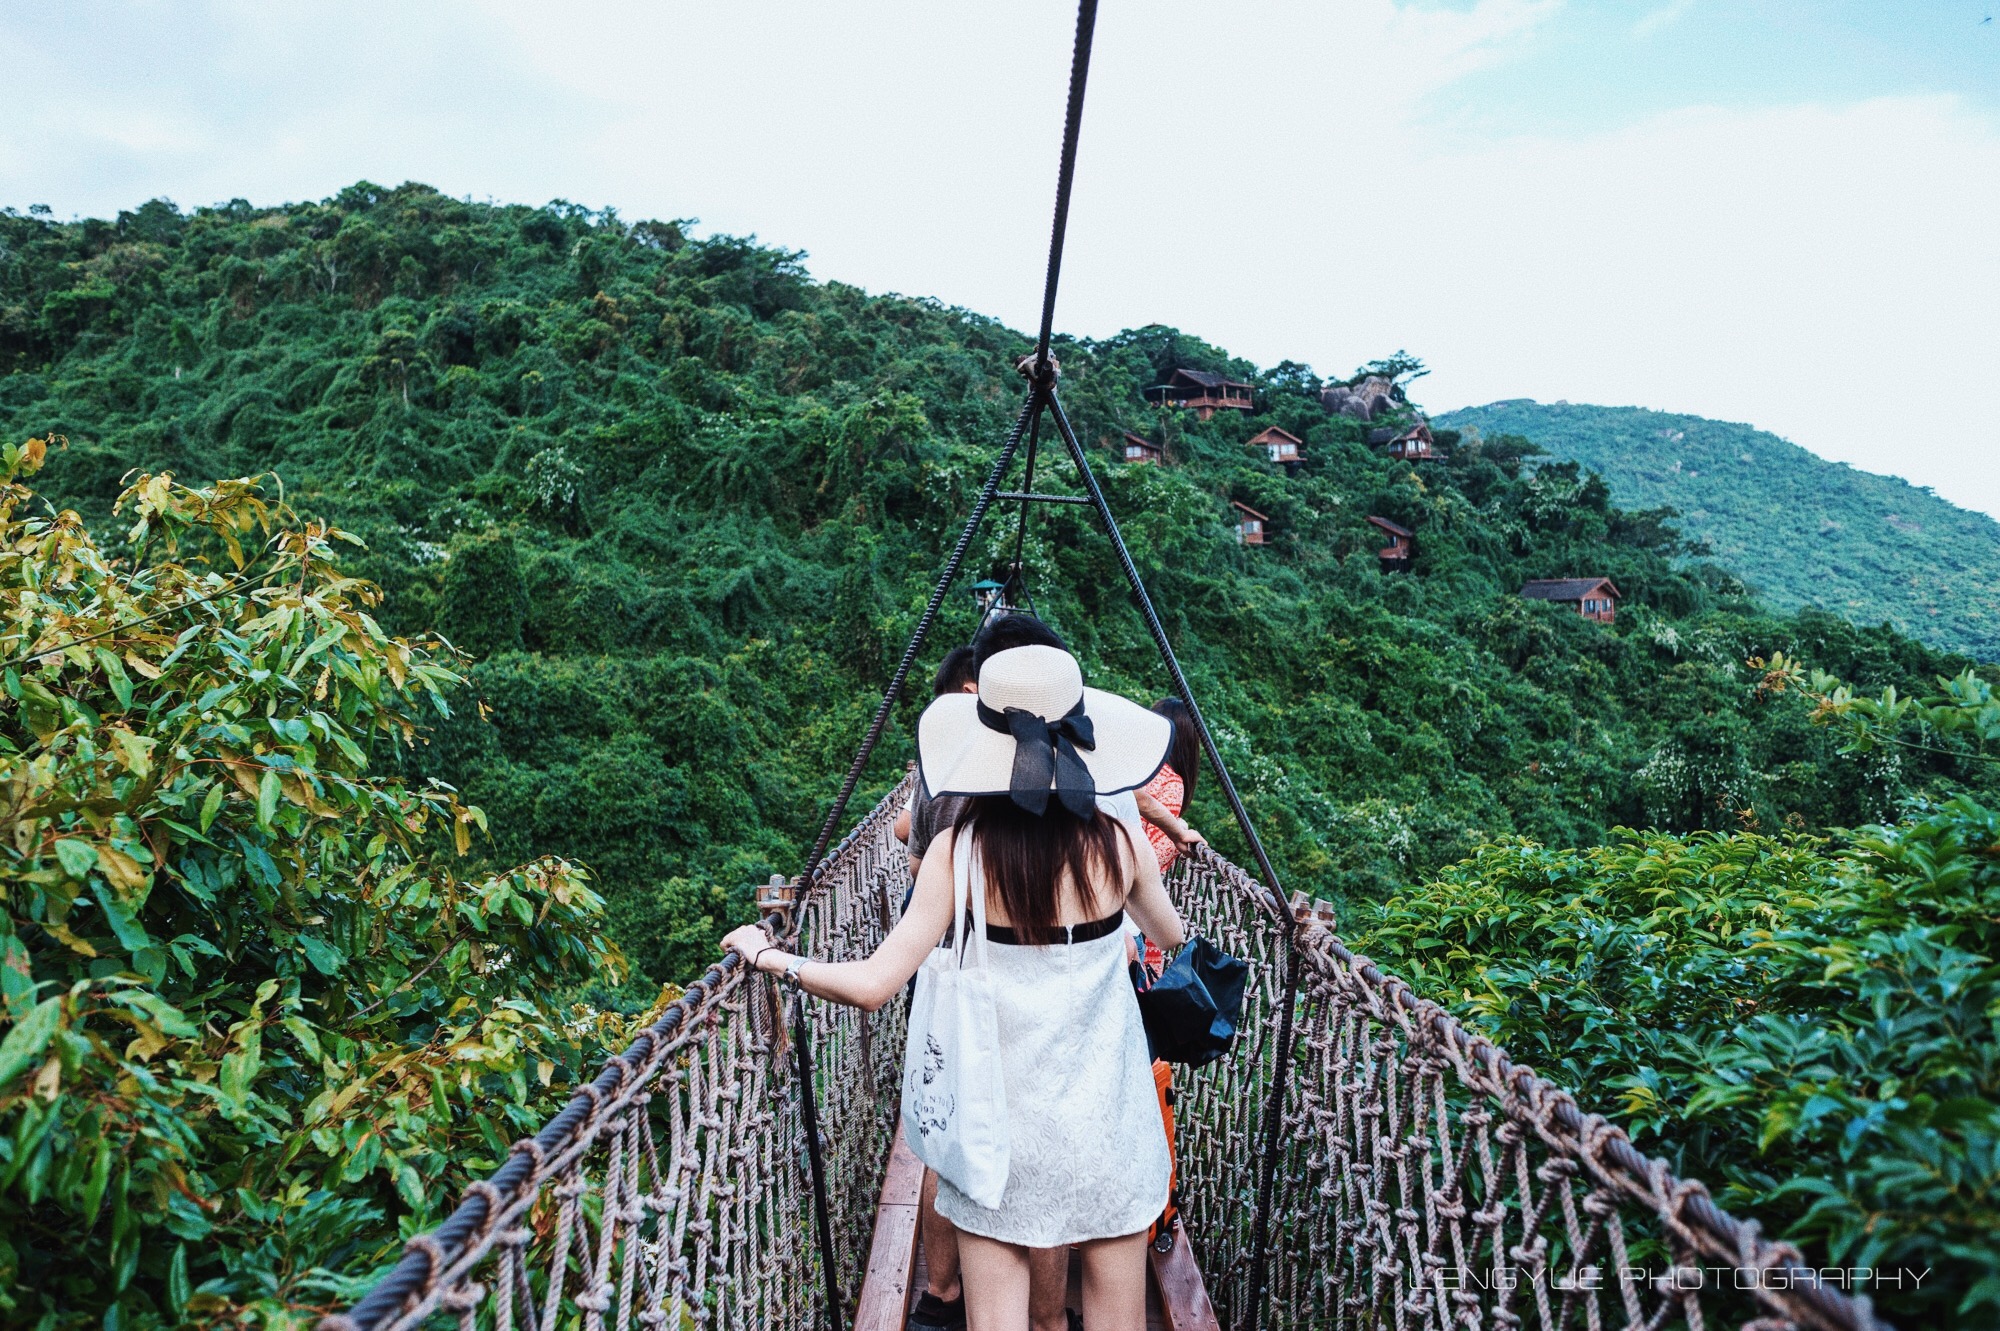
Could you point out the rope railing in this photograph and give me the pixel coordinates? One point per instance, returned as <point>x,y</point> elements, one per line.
<point>1428,1181</point>
<point>1424,1180</point>
<point>675,1189</point>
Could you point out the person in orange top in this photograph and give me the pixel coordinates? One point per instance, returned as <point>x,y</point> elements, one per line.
<point>1162,799</point>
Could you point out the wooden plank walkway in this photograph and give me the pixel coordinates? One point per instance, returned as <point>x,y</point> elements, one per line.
<point>1176,1299</point>
<point>890,1286</point>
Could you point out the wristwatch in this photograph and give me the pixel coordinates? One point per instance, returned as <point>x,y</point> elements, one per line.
<point>792,971</point>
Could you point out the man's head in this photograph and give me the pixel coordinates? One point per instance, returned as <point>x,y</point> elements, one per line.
<point>955,674</point>
<point>1008,631</point>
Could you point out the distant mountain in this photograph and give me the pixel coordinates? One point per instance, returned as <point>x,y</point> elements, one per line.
<point>1799,529</point>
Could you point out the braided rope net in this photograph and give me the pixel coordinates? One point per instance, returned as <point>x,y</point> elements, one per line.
<point>1424,1181</point>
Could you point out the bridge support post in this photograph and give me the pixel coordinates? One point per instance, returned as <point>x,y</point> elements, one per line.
<point>809,1122</point>
<point>1274,1123</point>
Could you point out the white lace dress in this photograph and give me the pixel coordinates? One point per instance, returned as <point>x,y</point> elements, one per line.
<point>1087,1150</point>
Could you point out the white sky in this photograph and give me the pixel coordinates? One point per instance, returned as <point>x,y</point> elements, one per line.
<point>1772,211</point>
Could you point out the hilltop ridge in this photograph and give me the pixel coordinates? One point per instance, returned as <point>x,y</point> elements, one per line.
<point>1798,529</point>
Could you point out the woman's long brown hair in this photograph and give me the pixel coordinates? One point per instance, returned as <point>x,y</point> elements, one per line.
<point>1027,857</point>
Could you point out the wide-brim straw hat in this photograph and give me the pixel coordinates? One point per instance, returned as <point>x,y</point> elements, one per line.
<point>1035,696</point>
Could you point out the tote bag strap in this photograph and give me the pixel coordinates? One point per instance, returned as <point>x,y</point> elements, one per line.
<point>968,893</point>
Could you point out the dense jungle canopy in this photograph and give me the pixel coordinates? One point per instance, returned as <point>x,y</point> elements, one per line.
<point>679,506</point>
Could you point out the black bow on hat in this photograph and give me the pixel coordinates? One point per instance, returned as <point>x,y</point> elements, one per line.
<point>1045,750</point>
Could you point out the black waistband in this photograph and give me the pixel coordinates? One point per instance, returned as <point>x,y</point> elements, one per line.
<point>1062,933</point>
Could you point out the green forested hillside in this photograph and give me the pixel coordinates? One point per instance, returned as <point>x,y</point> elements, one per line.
<point>1798,529</point>
<point>680,506</point>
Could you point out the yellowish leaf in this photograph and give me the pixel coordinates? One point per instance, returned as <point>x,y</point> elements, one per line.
<point>148,1043</point>
<point>61,933</point>
<point>120,868</point>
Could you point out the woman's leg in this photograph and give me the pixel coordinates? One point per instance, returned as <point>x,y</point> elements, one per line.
<point>1048,1289</point>
<point>994,1276</point>
<point>1114,1283</point>
<point>940,1242</point>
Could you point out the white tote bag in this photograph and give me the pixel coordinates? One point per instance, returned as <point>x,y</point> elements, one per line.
<point>954,1099</point>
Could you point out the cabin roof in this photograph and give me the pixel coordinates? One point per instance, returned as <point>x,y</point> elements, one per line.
<point>1421,430</point>
<point>1142,441</point>
<point>1272,435</point>
<point>1204,379</point>
<point>1565,589</point>
<point>1249,510</point>
<point>1393,528</point>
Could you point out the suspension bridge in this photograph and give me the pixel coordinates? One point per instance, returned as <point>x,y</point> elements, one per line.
<point>1361,1160</point>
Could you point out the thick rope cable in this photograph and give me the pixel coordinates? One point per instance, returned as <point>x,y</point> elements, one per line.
<point>1040,375</point>
<point>1017,568</point>
<point>1079,74</point>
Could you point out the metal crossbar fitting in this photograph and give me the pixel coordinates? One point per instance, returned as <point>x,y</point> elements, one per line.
<point>1043,498</point>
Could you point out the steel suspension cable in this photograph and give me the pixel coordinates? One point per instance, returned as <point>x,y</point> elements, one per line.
<point>1015,569</point>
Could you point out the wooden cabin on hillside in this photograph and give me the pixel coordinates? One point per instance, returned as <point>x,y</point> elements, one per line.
<point>1281,446</point>
<point>1414,444</point>
<point>1138,448</point>
<point>1201,392</point>
<point>1594,598</point>
<point>1402,547</point>
<point>1250,524</point>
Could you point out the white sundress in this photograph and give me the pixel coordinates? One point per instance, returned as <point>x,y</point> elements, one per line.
<point>1087,1149</point>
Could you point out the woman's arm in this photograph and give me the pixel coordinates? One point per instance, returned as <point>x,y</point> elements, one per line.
<point>874,980</point>
<point>1149,903</point>
<point>1166,820</point>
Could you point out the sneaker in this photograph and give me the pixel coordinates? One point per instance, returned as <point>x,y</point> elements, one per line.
<point>935,1314</point>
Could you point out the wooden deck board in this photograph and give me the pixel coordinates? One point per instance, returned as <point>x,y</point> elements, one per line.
<point>888,1287</point>
<point>1183,1297</point>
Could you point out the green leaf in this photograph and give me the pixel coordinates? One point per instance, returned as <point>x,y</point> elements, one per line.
<point>326,958</point>
<point>170,1019</point>
<point>307,1037</point>
<point>131,935</point>
<point>211,805</point>
<point>25,1044</point>
<point>268,790</point>
<point>178,1289</point>
<point>114,674</point>
<point>78,857</point>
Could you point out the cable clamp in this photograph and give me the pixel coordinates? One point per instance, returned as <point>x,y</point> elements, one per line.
<point>1025,367</point>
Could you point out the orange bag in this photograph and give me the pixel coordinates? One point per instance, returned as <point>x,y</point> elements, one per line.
<point>1163,1082</point>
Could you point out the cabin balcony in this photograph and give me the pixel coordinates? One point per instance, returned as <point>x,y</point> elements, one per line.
<point>1210,402</point>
